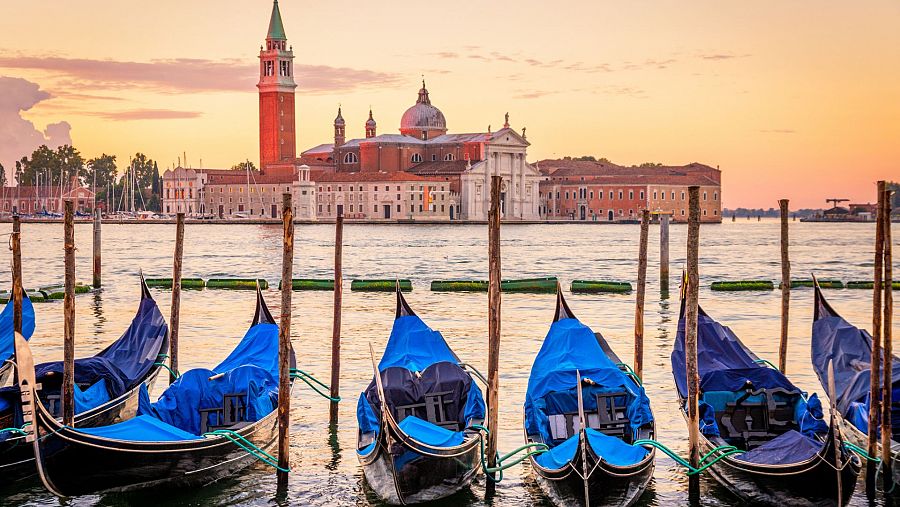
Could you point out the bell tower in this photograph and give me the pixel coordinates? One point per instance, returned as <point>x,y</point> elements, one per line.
<point>277,141</point>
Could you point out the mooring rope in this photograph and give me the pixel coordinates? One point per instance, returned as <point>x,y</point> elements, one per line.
<point>763,361</point>
<point>164,365</point>
<point>306,377</point>
<point>630,372</point>
<point>726,450</point>
<point>248,446</point>
<point>501,466</point>
<point>861,452</point>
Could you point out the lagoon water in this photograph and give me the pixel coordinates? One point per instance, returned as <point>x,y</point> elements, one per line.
<point>325,470</point>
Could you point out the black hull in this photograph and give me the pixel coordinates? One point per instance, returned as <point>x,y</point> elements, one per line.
<point>17,456</point>
<point>805,484</point>
<point>402,471</point>
<point>607,484</point>
<point>110,465</point>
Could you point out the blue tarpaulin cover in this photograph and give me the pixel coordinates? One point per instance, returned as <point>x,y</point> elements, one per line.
<point>611,449</point>
<point>7,345</point>
<point>787,448</point>
<point>417,361</point>
<point>429,433</point>
<point>124,363</point>
<point>850,349</point>
<point>176,414</point>
<point>568,348</point>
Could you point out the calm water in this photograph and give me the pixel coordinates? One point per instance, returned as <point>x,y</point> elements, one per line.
<point>325,468</point>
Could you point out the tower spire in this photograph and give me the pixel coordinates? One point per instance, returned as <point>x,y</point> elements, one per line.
<point>276,27</point>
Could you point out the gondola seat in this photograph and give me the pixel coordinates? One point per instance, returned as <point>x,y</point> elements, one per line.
<point>751,417</point>
<point>608,414</point>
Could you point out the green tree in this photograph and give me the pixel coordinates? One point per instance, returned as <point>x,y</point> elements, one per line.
<point>243,166</point>
<point>53,166</point>
<point>648,164</point>
<point>101,171</point>
<point>2,176</point>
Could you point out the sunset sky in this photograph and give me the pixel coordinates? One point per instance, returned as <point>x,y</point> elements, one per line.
<point>790,99</point>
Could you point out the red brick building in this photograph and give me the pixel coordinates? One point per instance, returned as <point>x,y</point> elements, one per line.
<point>277,138</point>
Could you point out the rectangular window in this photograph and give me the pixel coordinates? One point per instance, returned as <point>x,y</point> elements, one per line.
<point>715,196</point>
<point>704,196</point>
<point>642,195</point>
<point>420,208</point>
<point>610,195</point>
<point>631,195</point>
<point>398,208</point>
<point>376,209</point>
<point>351,208</point>
<point>682,195</point>
<point>654,195</point>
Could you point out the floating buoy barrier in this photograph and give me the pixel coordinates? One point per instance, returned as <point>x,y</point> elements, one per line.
<point>599,286</point>
<point>459,285</point>
<point>59,291</point>
<point>807,282</point>
<point>385,285</point>
<point>868,284</point>
<point>35,296</point>
<point>540,285</point>
<point>166,283</point>
<point>236,283</point>
<point>310,284</point>
<point>739,285</point>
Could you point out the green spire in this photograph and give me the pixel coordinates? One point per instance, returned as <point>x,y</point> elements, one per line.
<point>276,28</point>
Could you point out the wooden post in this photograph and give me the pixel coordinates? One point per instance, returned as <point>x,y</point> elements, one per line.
<point>68,383</point>
<point>336,323</point>
<point>16,245</point>
<point>493,326</point>
<point>875,370</point>
<point>664,252</point>
<point>639,305</point>
<point>785,286</point>
<point>690,337</point>
<point>284,344</point>
<point>174,319</point>
<point>97,245</point>
<point>887,323</point>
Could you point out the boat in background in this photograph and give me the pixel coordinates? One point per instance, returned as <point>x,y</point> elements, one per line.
<point>577,377</point>
<point>775,445</point>
<point>198,431</point>
<point>416,439</point>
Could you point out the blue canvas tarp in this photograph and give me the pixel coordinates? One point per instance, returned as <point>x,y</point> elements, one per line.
<point>7,345</point>
<point>724,363</point>
<point>850,349</point>
<point>124,364</point>
<point>611,449</point>
<point>571,347</point>
<point>785,449</point>
<point>416,362</point>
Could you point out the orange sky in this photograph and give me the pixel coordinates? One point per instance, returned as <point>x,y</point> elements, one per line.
<point>790,99</point>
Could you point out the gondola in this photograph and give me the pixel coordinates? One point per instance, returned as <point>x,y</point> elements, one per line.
<point>849,349</point>
<point>7,341</point>
<point>416,440</point>
<point>106,386</point>
<point>576,376</point>
<point>194,434</point>
<point>782,451</point>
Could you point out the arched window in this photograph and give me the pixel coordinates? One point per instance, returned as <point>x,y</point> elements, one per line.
<point>351,158</point>
<point>448,156</point>
<point>416,158</point>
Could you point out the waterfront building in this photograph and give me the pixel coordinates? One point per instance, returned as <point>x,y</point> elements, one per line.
<point>603,191</point>
<point>29,200</point>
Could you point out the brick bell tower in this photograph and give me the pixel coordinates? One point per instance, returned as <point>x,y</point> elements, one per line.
<point>277,141</point>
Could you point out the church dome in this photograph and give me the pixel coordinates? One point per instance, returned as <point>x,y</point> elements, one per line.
<point>422,116</point>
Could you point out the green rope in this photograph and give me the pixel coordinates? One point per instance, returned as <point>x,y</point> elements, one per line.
<point>306,377</point>
<point>726,450</point>
<point>14,430</point>
<point>501,466</point>
<point>248,446</point>
<point>631,372</point>
<point>861,452</point>
<point>171,371</point>
<point>763,361</point>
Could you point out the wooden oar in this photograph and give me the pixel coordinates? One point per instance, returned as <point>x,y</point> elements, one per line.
<point>834,433</point>
<point>583,438</point>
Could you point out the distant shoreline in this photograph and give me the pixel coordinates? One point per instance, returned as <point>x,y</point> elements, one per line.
<point>270,221</point>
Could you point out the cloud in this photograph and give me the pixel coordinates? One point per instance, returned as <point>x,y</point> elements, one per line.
<point>534,94</point>
<point>18,136</point>
<point>778,131</point>
<point>722,56</point>
<point>189,75</point>
<point>145,114</point>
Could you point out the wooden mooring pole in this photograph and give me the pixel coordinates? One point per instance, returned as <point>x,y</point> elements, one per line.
<point>785,286</point>
<point>17,292</point>
<point>875,369</point>
<point>97,247</point>
<point>68,383</point>
<point>664,252</point>
<point>493,327</point>
<point>639,299</point>
<point>887,323</point>
<point>175,319</point>
<point>284,344</point>
<point>690,337</point>
<point>336,322</point>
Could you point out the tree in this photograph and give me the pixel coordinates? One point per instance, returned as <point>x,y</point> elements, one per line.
<point>648,164</point>
<point>244,166</point>
<point>2,176</point>
<point>51,167</point>
<point>101,171</point>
